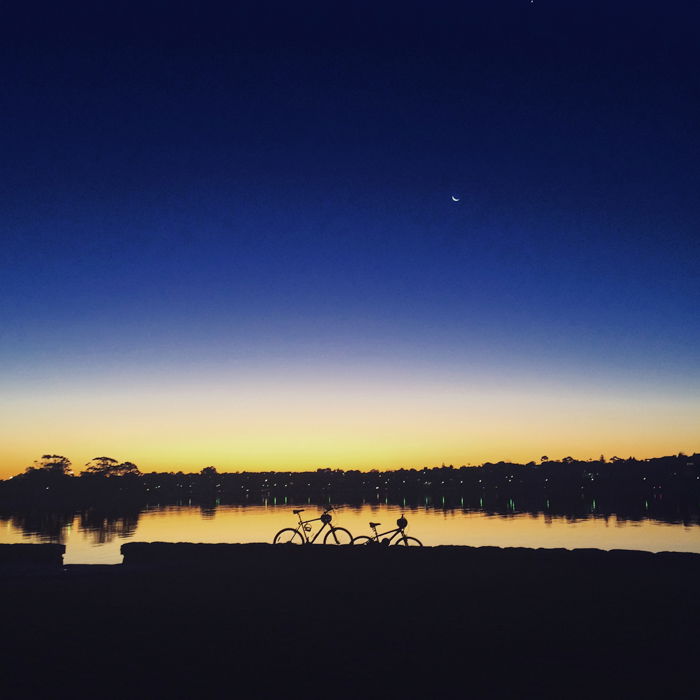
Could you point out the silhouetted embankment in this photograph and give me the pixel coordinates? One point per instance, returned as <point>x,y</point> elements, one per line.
<point>31,554</point>
<point>182,620</point>
<point>443,557</point>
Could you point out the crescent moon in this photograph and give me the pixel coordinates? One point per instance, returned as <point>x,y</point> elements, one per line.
<point>455,199</point>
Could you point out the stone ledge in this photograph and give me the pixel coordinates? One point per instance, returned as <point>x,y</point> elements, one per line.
<point>32,554</point>
<point>231,554</point>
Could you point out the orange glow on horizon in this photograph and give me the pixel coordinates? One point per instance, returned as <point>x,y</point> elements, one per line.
<point>298,425</point>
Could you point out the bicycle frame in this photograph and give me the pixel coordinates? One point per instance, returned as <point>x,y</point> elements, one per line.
<point>395,532</point>
<point>302,528</point>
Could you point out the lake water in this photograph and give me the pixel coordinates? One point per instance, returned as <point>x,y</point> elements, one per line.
<point>96,539</point>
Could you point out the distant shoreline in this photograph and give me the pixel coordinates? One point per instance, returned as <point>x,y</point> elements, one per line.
<point>668,485</point>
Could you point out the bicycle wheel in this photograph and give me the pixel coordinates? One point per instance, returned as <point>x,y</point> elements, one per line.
<point>409,542</point>
<point>337,535</point>
<point>288,536</point>
<point>363,539</point>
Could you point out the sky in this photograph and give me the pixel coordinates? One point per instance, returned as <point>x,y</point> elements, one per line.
<point>228,234</point>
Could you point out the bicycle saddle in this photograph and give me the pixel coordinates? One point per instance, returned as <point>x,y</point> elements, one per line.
<point>374,524</point>
<point>296,512</point>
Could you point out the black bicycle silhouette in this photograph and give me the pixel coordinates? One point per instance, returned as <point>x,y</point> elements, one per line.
<point>404,539</point>
<point>300,534</point>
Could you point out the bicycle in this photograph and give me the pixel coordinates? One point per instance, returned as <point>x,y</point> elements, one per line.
<point>300,534</point>
<point>404,540</point>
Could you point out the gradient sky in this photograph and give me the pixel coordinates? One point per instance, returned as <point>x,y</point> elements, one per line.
<point>227,232</point>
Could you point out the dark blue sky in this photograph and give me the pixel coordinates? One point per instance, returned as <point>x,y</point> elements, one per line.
<point>203,182</point>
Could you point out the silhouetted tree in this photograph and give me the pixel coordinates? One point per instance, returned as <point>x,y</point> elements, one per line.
<point>100,465</point>
<point>110,467</point>
<point>54,464</point>
<point>209,472</point>
<point>128,469</point>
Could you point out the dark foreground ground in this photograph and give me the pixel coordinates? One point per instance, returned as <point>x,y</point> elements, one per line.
<point>245,621</point>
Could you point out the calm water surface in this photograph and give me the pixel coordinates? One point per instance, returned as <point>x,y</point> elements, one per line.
<point>98,542</point>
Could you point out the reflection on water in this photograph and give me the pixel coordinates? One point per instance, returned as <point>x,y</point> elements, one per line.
<point>95,535</point>
<point>103,527</point>
<point>98,526</point>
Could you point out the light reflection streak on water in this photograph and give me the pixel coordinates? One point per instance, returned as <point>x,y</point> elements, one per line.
<point>90,544</point>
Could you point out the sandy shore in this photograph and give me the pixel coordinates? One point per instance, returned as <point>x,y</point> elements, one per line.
<point>182,620</point>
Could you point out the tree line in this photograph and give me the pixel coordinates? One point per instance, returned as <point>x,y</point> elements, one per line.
<point>52,479</point>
